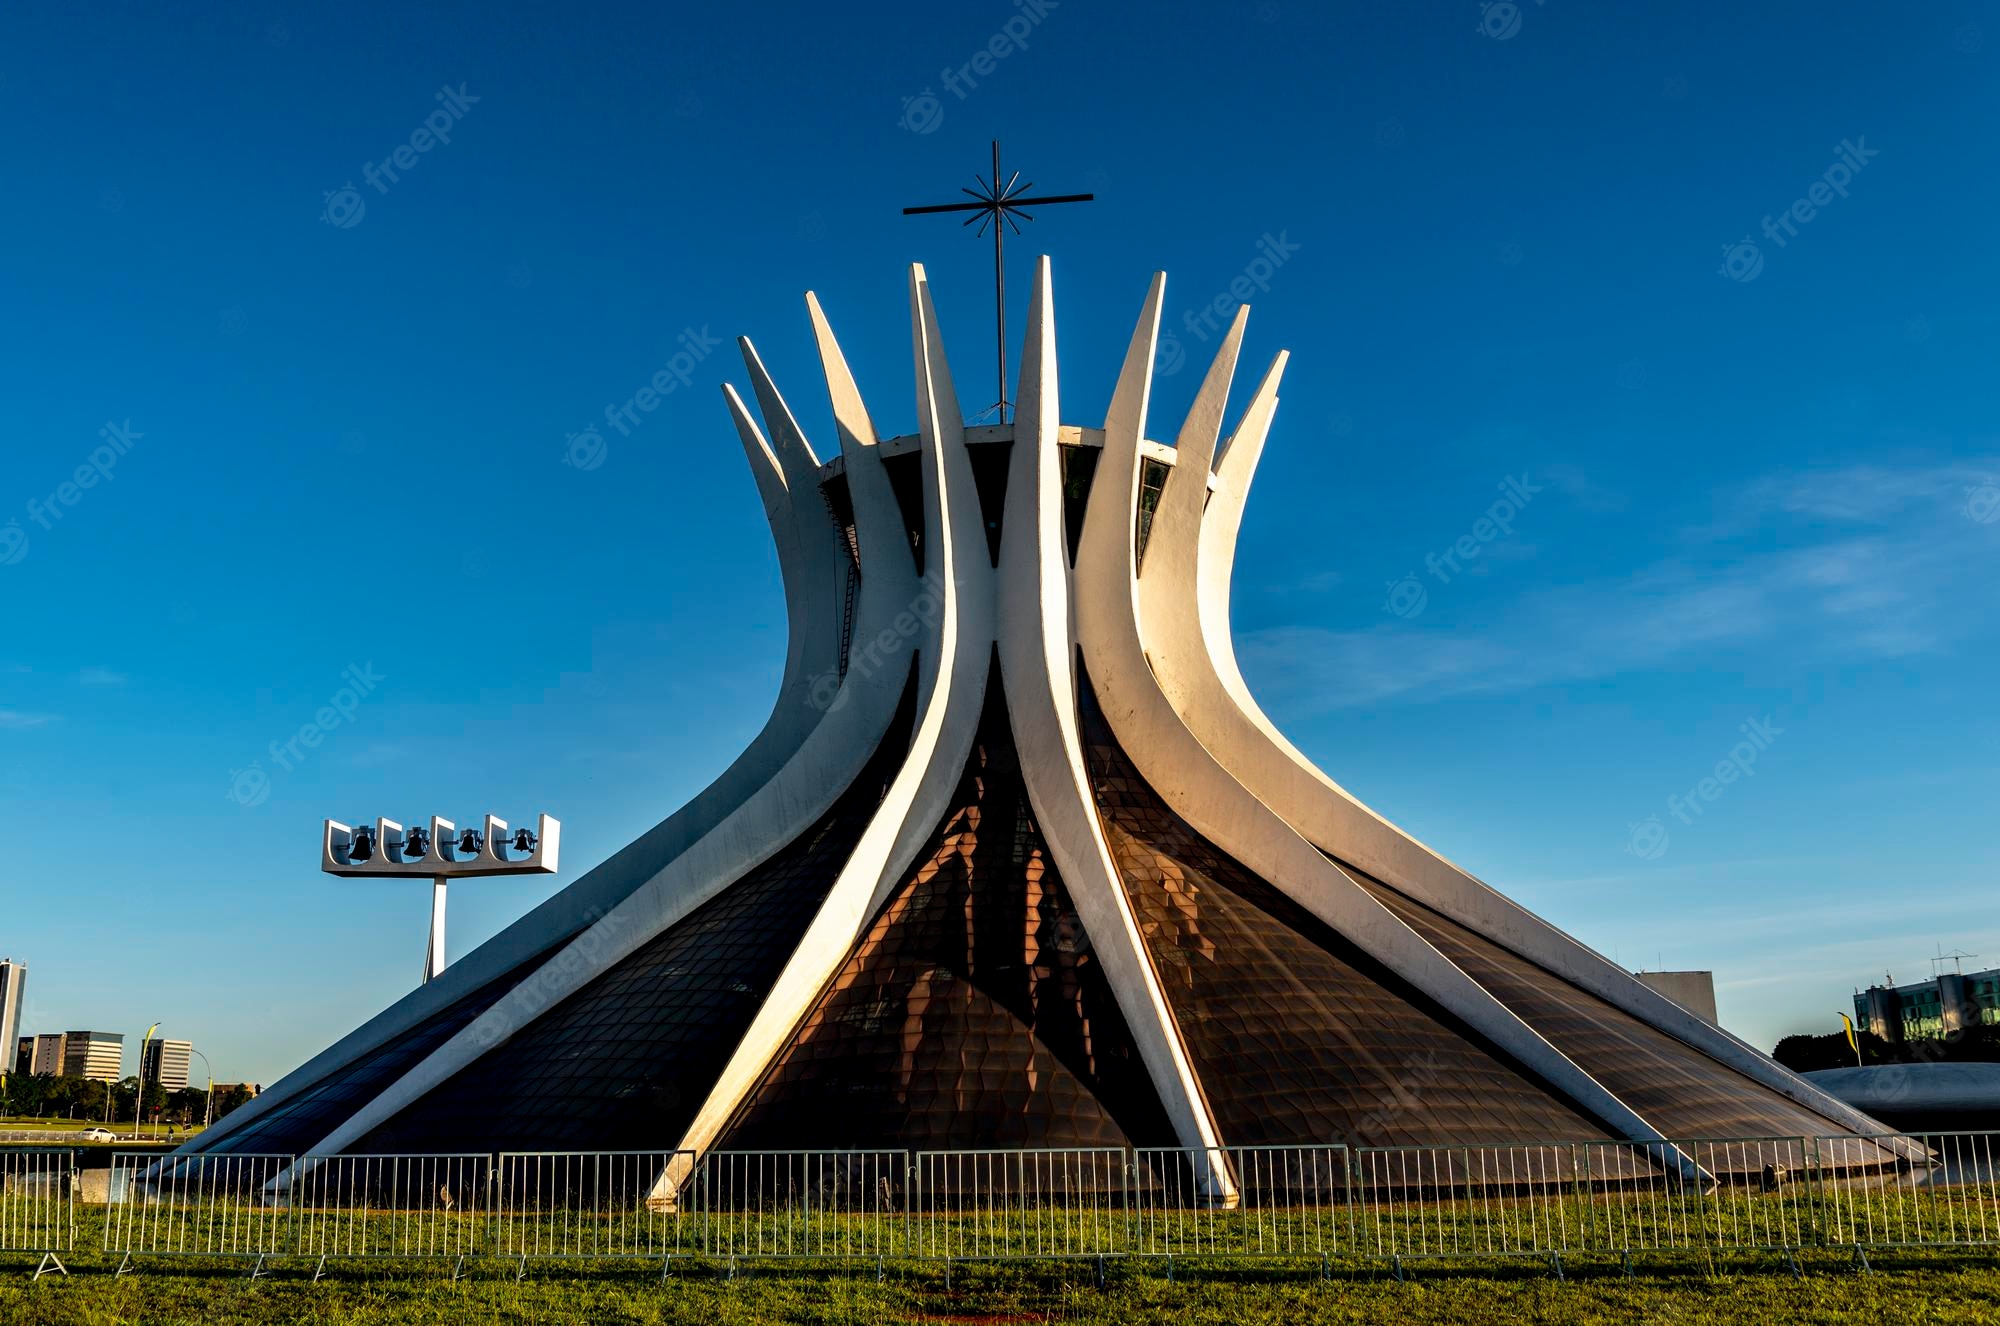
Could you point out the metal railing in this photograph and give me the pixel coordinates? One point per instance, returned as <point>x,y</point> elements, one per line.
<point>1759,1195</point>
<point>220,1205</point>
<point>1475,1201</point>
<point>1244,1201</point>
<point>584,1205</point>
<point>1302,1203</point>
<point>814,1204</point>
<point>1950,1200</point>
<point>38,1206</point>
<point>1016,1205</point>
<point>389,1206</point>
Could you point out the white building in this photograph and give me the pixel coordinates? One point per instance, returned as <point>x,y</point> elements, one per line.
<point>51,1050</point>
<point>167,1063</point>
<point>13,991</point>
<point>94,1054</point>
<point>1018,861</point>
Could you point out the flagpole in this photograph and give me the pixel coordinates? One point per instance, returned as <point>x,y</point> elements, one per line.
<point>1852,1039</point>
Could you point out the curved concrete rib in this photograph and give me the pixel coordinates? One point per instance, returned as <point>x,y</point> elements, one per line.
<point>953,660</point>
<point>1037,669</point>
<point>1202,792</point>
<point>810,551</point>
<point>888,575</point>
<point>791,800</point>
<point>815,570</point>
<point>1184,596</point>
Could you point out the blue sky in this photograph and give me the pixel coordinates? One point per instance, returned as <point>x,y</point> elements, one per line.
<point>1767,499</point>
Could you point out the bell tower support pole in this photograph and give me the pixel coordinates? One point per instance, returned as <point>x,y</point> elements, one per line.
<point>434,955</point>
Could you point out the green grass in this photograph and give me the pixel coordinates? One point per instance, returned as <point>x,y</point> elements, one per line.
<point>63,1131</point>
<point>1905,1289</point>
<point>1606,1223</point>
<point>1675,1287</point>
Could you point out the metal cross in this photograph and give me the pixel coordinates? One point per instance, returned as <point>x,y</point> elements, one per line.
<point>999,205</point>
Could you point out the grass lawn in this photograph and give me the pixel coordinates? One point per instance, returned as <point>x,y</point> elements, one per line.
<point>150,1132</point>
<point>1683,1285</point>
<point>1951,1288</point>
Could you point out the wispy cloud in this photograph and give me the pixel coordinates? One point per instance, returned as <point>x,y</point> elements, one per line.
<point>102,677</point>
<point>1860,494</point>
<point>1869,563</point>
<point>12,719</point>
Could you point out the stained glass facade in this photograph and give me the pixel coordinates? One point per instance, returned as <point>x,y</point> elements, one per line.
<point>1673,1086</point>
<point>974,1012</point>
<point>1297,1036</point>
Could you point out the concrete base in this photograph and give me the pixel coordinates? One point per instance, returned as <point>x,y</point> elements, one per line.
<point>1915,1097</point>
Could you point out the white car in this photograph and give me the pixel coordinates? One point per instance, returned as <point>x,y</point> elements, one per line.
<point>97,1135</point>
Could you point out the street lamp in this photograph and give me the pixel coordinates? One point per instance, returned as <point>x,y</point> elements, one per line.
<point>442,852</point>
<point>208,1103</point>
<point>139,1098</point>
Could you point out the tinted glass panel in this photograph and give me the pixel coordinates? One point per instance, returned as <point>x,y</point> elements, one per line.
<point>302,1122</point>
<point>1297,1036</point>
<point>973,1013</point>
<point>1671,1085</point>
<point>626,1061</point>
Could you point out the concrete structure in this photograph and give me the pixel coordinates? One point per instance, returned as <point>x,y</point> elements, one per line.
<point>439,854</point>
<point>1692,990</point>
<point>1919,1097</point>
<point>13,992</point>
<point>51,1050</point>
<point>24,1055</point>
<point>167,1062</point>
<point>1944,1005</point>
<point>94,1054</point>
<point>1018,861</point>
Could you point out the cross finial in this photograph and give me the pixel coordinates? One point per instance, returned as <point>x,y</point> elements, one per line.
<point>1000,205</point>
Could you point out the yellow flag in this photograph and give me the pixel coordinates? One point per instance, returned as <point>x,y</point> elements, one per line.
<point>1848,1022</point>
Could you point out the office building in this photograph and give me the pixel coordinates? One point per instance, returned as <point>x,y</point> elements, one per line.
<point>166,1062</point>
<point>94,1054</point>
<point>1944,1005</point>
<point>1692,990</point>
<point>13,990</point>
<point>51,1050</point>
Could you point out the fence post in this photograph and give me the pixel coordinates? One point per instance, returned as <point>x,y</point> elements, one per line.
<point>1579,1167</point>
<point>1816,1195</point>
